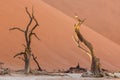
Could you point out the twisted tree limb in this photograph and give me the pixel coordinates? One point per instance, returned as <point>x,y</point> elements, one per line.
<point>16,28</point>
<point>78,44</point>
<point>95,65</point>
<point>35,59</point>
<point>18,54</point>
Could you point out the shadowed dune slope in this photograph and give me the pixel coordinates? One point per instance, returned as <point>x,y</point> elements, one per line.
<point>56,48</point>
<point>102,16</point>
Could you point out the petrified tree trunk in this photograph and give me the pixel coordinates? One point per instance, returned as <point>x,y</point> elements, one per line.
<point>95,64</point>
<point>28,33</point>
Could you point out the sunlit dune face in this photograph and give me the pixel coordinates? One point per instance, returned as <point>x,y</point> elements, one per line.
<point>102,16</point>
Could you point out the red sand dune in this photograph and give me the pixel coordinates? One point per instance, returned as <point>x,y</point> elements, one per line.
<point>102,16</point>
<point>56,49</point>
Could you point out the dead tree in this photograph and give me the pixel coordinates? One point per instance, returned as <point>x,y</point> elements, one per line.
<point>95,62</point>
<point>28,33</point>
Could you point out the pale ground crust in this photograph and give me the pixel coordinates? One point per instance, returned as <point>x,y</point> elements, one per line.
<point>46,77</point>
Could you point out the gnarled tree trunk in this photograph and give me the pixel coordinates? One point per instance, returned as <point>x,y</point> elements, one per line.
<point>95,62</point>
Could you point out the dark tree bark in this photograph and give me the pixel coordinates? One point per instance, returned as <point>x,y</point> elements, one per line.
<point>28,33</point>
<point>95,64</point>
<point>35,59</point>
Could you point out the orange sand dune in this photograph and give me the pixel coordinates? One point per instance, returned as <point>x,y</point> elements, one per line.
<point>56,49</point>
<point>102,16</point>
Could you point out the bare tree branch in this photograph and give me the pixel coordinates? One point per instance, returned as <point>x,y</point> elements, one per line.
<point>34,27</point>
<point>30,36</point>
<point>28,25</point>
<point>32,11</point>
<point>34,17</point>
<point>28,12</point>
<point>35,36</point>
<point>16,28</point>
<point>21,53</point>
<point>35,59</point>
<point>31,19</point>
<point>77,42</point>
<point>36,23</point>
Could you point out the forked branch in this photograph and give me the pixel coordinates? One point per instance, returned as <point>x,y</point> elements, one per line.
<point>34,34</point>
<point>18,54</point>
<point>28,12</point>
<point>30,22</point>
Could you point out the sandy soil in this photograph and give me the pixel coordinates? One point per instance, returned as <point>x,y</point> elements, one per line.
<point>56,49</point>
<point>44,77</point>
